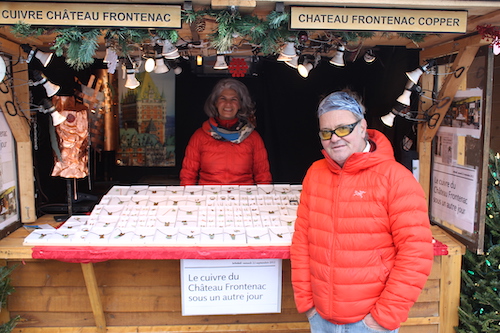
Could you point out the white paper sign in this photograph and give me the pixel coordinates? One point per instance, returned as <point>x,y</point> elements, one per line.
<point>9,211</point>
<point>239,286</point>
<point>454,195</point>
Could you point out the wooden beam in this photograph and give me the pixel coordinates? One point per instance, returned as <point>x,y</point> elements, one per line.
<point>492,18</point>
<point>18,121</point>
<point>452,47</point>
<point>243,6</point>
<point>467,49</point>
<point>450,87</point>
<point>94,296</point>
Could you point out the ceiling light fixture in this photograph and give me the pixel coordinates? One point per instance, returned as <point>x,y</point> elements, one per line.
<point>338,58</point>
<point>220,62</point>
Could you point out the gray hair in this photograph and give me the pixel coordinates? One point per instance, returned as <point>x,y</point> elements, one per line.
<point>247,106</point>
<point>342,100</point>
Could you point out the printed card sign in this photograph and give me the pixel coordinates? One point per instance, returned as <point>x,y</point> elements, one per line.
<point>239,286</point>
<point>454,191</point>
<point>378,19</point>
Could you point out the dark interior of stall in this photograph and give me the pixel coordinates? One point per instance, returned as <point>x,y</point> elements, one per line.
<point>286,119</point>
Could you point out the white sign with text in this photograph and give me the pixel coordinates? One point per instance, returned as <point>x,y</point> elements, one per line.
<point>230,286</point>
<point>454,195</point>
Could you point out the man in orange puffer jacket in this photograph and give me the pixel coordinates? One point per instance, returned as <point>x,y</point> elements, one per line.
<point>362,248</point>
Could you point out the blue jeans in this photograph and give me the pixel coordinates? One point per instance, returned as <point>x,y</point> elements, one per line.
<point>320,325</point>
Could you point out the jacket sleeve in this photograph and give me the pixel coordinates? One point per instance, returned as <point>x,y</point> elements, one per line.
<point>412,237</point>
<point>299,254</point>
<point>190,170</point>
<point>261,172</point>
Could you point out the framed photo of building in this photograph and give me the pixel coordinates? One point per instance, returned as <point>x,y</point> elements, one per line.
<point>147,121</point>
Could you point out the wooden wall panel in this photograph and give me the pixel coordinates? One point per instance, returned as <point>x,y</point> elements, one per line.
<point>147,293</point>
<point>420,329</point>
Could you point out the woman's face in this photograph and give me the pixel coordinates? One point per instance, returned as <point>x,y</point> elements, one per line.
<point>228,104</point>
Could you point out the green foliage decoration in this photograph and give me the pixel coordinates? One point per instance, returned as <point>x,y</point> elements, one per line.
<point>479,309</point>
<point>26,30</point>
<point>6,289</point>
<point>79,46</point>
<point>266,35</point>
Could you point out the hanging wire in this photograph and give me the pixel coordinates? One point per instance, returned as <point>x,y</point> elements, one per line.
<point>13,107</point>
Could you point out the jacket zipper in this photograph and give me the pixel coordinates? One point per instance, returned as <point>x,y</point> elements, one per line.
<point>335,207</point>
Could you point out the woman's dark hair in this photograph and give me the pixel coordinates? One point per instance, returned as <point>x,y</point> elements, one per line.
<point>247,106</point>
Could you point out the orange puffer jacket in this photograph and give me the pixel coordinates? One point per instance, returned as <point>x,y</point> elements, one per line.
<point>209,161</point>
<point>362,241</point>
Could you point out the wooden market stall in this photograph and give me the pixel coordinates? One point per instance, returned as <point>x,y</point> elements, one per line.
<point>144,295</point>
<point>120,295</point>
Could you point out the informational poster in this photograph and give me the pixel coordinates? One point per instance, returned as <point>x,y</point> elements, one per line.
<point>239,286</point>
<point>455,168</point>
<point>8,176</point>
<point>454,190</point>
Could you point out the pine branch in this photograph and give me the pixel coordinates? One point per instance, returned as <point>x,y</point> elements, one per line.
<point>269,34</point>
<point>480,295</point>
<point>26,30</point>
<point>170,34</point>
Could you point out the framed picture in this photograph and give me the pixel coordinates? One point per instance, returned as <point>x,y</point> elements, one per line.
<point>147,121</point>
<point>9,208</point>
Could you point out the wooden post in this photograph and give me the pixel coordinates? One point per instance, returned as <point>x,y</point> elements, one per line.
<point>94,296</point>
<point>19,123</point>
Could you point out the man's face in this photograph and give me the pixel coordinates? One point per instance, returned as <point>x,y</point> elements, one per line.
<point>339,149</point>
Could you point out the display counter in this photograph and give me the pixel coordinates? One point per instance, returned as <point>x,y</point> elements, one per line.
<point>143,295</point>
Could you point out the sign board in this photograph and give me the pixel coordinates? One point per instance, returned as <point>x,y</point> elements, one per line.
<point>230,286</point>
<point>9,206</point>
<point>460,154</point>
<point>98,15</point>
<point>378,19</point>
<point>454,190</point>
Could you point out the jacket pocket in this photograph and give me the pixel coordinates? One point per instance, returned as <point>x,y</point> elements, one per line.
<point>384,267</point>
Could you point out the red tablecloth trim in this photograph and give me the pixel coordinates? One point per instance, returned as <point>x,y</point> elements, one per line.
<point>87,254</point>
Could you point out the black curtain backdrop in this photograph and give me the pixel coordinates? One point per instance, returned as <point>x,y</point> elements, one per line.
<point>286,117</point>
<point>287,104</point>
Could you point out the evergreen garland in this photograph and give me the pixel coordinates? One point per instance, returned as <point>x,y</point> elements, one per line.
<point>479,309</point>
<point>267,35</point>
<point>227,29</point>
<point>26,30</point>
<point>7,289</point>
<point>79,46</point>
<point>353,36</point>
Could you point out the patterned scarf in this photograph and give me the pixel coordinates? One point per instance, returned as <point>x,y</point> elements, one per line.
<point>236,134</point>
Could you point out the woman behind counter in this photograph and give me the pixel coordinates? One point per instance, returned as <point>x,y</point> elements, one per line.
<point>226,149</point>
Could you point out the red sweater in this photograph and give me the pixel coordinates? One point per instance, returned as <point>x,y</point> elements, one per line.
<point>209,161</point>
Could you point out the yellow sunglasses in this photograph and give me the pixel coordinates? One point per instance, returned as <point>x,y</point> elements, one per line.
<point>340,131</point>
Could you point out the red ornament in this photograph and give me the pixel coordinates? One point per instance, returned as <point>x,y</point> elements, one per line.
<point>490,32</point>
<point>238,67</point>
<point>70,118</point>
<point>303,37</point>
